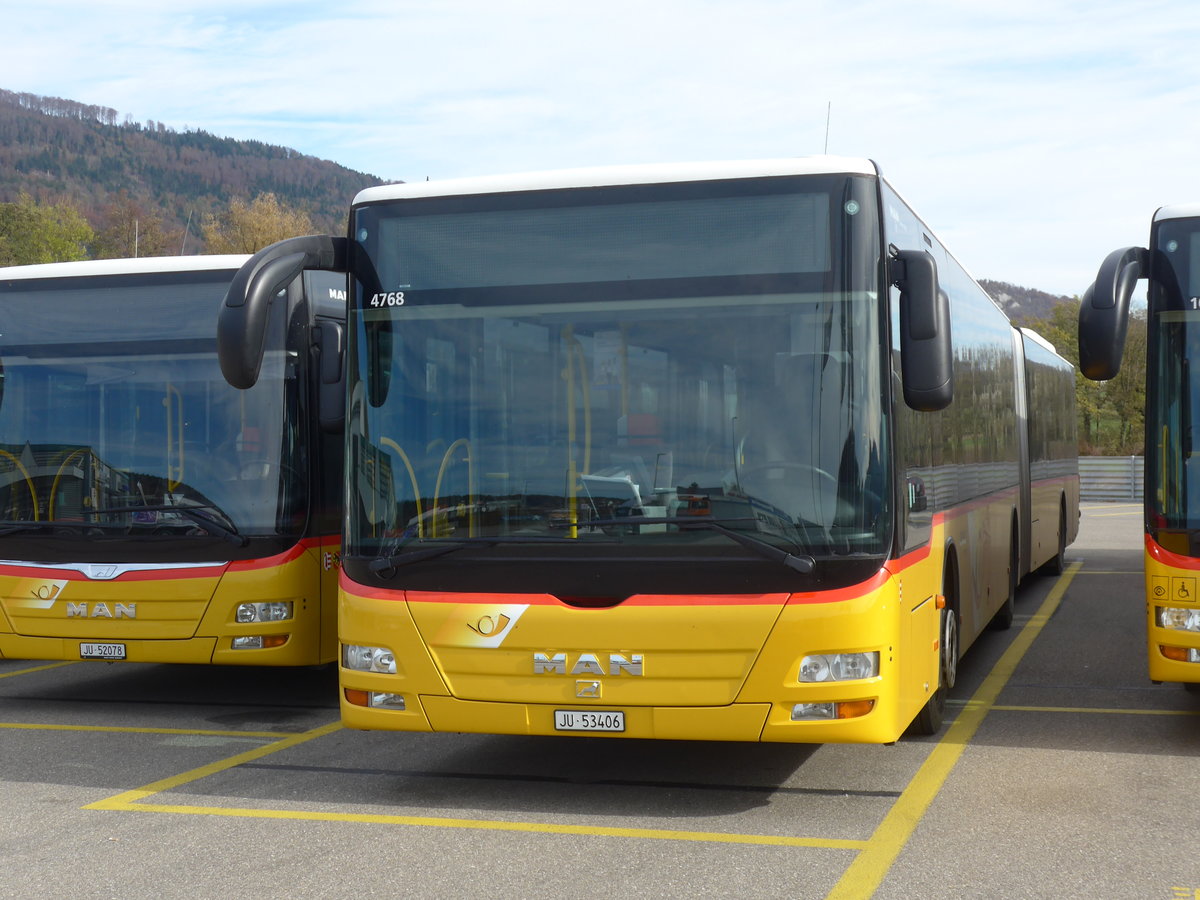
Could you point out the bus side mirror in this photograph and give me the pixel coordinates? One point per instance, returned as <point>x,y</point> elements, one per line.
<point>331,390</point>
<point>926,353</point>
<point>1104,312</point>
<point>242,320</point>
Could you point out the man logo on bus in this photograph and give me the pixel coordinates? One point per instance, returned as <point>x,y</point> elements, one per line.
<point>587,664</point>
<point>101,611</point>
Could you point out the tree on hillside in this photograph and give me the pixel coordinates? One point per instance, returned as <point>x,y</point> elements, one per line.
<point>1126,394</point>
<point>128,229</point>
<point>1111,413</point>
<point>32,232</point>
<point>248,227</point>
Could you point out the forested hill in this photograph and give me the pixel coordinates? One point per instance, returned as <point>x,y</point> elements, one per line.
<point>62,151</point>
<point>1023,305</point>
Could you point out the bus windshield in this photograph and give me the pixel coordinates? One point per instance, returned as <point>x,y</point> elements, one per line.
<point>627,367</point>
<point>1173,407</point>
<point>120,424</point>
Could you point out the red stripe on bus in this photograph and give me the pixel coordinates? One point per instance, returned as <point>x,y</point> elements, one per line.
<point>1161,554</point>
<point>214,571</point>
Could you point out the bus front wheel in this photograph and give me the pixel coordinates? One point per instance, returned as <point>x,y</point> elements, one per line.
<point>933,713</point>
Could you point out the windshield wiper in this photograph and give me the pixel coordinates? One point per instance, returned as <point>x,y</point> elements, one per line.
<point>208,523</point>
<point>385,566</point>
<point>802,563</point>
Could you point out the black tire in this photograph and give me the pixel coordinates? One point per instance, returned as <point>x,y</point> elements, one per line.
<point>929,720</point>
<point>933,713</point>
<point>1003,619</point>
<point>1057,564</point>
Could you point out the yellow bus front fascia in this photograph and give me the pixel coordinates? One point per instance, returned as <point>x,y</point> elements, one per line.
<point>1172,580</point>
<point>893,616</point>
<point>191,628</point>
<point>303,576</point>
<point>881,615</point>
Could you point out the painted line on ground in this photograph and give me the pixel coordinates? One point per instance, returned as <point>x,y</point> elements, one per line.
<point>135,801</point>
<point>1098,710</point>
<point>876,854</point>
<point>717,837</point>
<point>53,665</point>
<point>127,800</point>
<point>863,877</point>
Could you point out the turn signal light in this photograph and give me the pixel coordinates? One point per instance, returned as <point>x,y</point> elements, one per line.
<point>854,708</point>
<point>1180,654</point>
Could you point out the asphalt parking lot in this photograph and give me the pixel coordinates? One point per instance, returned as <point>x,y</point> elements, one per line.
<point>1063,774</point>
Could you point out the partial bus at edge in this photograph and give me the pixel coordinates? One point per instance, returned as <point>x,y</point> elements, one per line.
<point>1171,267</point>
<point>149,512</point>
<point>731,451</point>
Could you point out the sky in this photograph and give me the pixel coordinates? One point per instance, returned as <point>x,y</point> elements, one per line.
<point>1033,137</point>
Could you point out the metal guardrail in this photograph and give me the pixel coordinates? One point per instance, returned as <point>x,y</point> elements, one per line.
<point>1111,477</point>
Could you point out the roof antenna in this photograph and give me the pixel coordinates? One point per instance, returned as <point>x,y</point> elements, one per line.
<point>828,113</point>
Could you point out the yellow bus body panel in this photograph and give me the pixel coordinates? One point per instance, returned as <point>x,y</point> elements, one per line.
<point>169,615</point>
<point>1171,580</point>
<point>712,668</point>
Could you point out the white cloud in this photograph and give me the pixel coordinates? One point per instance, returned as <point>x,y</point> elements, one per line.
<point>1033,136</point>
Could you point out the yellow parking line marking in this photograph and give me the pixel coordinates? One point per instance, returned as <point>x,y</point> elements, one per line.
<point>134,801</point>
<point>720,837</point>
<point>53,665</point>
<point>122,729</point>
<point>1137,572</point>
<point>1100,710</point>
<point>869,868</point>
<point>861,879</point>
<point>127,799</point>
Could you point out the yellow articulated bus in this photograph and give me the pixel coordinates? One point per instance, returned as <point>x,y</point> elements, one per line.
<point>1171,266</point>
<point>150,512</point>
<point>733,451</point>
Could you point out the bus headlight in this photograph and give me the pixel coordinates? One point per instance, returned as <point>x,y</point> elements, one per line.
<point>369,659</point>
<point>277,611</point>
<point>1179,619</point>
<point>839,667</point>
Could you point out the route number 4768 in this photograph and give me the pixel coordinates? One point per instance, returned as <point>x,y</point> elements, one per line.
<point>390,298</point>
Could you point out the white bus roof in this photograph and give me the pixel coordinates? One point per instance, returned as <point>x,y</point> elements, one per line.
<point>143,265</point>
<point>1038,339</point>
<point>608,176</point>
<point>1178,211</point>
